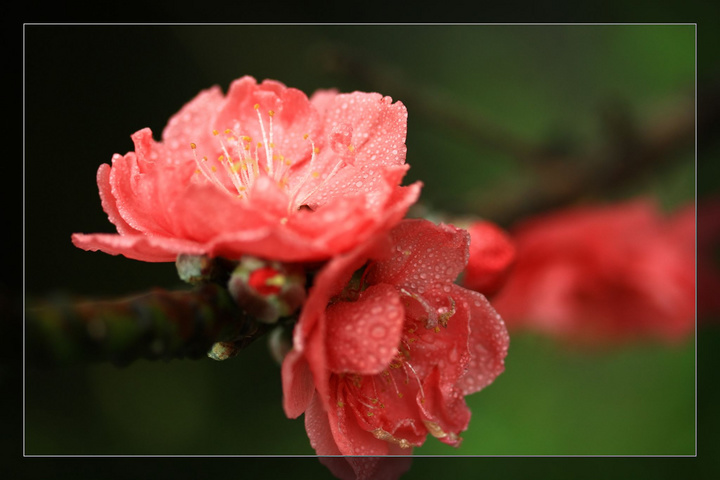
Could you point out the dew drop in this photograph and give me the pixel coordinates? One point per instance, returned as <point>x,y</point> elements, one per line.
<point>378,331</point>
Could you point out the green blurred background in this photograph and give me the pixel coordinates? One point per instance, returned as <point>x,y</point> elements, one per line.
<point>89,87</point>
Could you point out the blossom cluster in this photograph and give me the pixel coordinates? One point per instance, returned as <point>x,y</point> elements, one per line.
<point>302,198</point>
<point>296,206</point>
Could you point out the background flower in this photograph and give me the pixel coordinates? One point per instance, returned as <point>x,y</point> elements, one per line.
<point>601,273</point>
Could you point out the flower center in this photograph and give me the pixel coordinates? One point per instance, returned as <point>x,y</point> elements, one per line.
<point>400,380</point>
<point>243,160</point>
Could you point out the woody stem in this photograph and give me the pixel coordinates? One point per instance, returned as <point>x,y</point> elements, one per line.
<point>157,325</point>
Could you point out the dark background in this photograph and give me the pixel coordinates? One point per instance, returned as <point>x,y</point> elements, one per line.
<point>87,88</point>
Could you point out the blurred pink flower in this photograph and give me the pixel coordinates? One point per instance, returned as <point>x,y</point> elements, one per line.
<point>387,346</point>
<point>697,228</point>
<point>492,254</point>
<point>262,171</point>
<point>602,273</point>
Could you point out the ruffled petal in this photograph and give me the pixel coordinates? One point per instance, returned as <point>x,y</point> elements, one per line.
<point>378,130</point>
<point>444,411</point>
<point>193,123</point>
<point>426,255</point>
<point>348,434</point>
<point>109,203</point>
<point>293,116</point>
<point>488,341</point>
<point>297,383</point>
<point>139,247</point>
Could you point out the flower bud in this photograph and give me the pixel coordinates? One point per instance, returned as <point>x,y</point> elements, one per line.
<point>267,290</point>
<point>201,269</point>
<point>222,351</point>
<point>492,254</point>
<point>194,269</point>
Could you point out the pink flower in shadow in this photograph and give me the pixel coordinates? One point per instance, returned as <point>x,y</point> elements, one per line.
<point>387,346</point>
<point>602,274</point>
<point>263,171</point>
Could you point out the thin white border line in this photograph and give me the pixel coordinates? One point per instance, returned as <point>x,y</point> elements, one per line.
<point>367,24</point>
<point>345,24</point>
<point>696,281</point>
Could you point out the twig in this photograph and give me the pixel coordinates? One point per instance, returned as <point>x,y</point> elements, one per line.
<point>158,325</point>
<point>444,111</point>
<point>629,153</point>
<point>558,177</point>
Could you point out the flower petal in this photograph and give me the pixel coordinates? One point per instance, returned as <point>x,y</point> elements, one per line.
<point>346,434</point>
<point>445,412</point>
<point>138,247</point>
<point>193,123</point>
<point>297,383</point>
<point>293,116</point>
<point>109,203</point>
<point>488,341</point>
<point>426,255</point>
<point>378,127</point>
<point>363,336</point>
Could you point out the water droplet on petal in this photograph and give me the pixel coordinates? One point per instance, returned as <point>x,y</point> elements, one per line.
<point>378,331</point>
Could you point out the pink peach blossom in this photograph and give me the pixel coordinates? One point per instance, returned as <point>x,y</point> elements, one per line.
<point>602,273</point>
<point>263,171</point>
<point>387,346</point>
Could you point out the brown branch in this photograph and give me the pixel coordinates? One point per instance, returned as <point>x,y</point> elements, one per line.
<point>556,178</point>
<point>444,111</point>
<point>158,325</point>
<point>630,153</point>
